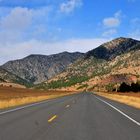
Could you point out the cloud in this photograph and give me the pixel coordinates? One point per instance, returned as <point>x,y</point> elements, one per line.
<point>135,34</point>
<point>135,22</point>
<point>18,19</point>
<point>109,33</point>
<point>111,22</point>
<point>14,23</point>
<point>114,21</point>
<point>135,28</point>
<point>118,14</point>
<point>18,24</point>
<point>70,5</point>
<point>22,49</point>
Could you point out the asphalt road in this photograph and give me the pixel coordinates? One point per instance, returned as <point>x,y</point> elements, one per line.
<point>82,116</point>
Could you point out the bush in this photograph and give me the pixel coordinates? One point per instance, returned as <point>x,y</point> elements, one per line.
<point>110,87</point>
<point>67,83</point>
<point>134,87</point>
<point>83,86</point>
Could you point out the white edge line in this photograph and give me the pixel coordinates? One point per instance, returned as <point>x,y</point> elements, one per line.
<point>134,121</point>
<point>23,107</point>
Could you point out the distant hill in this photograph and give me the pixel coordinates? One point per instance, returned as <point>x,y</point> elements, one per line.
<point>39,68</point>
<point>8,77</point>
<point>103,68</point>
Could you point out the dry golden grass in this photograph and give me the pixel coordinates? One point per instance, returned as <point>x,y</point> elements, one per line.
<point>131,99</point>
<point>8,84</point>
<point>10,97</point>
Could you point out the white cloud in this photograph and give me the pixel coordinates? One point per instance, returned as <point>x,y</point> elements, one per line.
<point>70,5</point>
<point>135,28</point>
<point>19,50</point>
<point>135,22</point>
<point>19,23</point>
<point>114,21</point>
<point>118,14</point>
<point>13,24</point>
<point>109,33</point>
<point>111,22</point>
<point>18,19</point>
<point>135,34</point>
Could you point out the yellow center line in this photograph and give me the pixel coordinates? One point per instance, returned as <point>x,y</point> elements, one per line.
<point>52,118</point>
<point>67,106</point>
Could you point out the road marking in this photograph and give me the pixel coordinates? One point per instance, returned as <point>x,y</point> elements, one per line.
<point>52,118</point>
<point>23,107</point>
<point>134,121</point>
<point>67,106</point>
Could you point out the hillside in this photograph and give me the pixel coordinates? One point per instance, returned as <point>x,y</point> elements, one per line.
<point>7,77</point>
<point>101,70</point>
<point>39,68</point>
<point>114,48</point>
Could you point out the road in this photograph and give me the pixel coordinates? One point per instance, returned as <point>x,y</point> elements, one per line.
<point>81,116</point>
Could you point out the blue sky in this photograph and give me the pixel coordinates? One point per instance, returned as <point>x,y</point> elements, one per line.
<point>53,26</point>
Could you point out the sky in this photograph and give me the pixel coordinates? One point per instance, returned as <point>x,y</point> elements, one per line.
<point>53,26</point>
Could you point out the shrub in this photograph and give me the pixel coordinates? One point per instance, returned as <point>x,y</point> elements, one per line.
<point>110,87</point>
<point>134,87</point>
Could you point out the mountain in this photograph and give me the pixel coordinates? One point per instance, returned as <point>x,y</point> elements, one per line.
<point>8,77</point>
<point>39,68</point>
<point>103,68</point>
<point>114,48</point>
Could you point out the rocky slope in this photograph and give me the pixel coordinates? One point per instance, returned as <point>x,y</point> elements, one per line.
<point>39,68</point>
<point>102,68</point>
<point>114,48</point>
<point>8,77</point>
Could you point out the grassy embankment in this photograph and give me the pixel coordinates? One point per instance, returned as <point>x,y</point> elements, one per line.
<point>10,97</point>
<point>131,99</point>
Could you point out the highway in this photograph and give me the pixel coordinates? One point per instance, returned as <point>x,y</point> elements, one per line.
<point>82,116</point>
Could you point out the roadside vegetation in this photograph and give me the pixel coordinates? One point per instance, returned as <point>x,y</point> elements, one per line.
<point>62,83</point>
<point>10,97</point>
<point>134,87</point>
<point>123,87</point>
<point>132,99</point>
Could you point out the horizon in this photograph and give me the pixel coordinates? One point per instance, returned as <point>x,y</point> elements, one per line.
<point>50,27</point>
<point>61,52</point>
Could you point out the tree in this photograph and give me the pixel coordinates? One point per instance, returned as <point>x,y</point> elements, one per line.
<point>124,87</point>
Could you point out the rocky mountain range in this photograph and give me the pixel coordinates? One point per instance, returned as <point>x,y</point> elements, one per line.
<point>114,48</point>
<point>8,77</point>
<point>102,68</point>
<point>39,68</point>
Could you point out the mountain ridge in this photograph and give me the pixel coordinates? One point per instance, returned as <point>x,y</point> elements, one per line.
<point>8,77</point>
<point>91,71</point>
<point>115,60</point>
<point>38,68</point>
<point>111,49</point>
